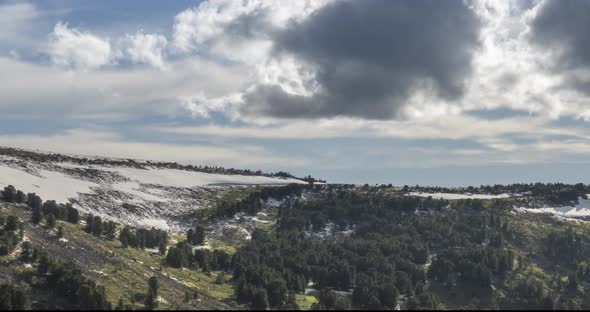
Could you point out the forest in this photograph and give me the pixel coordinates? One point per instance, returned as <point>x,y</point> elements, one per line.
<point>383,250</point>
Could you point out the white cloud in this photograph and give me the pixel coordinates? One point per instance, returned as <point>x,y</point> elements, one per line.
<point>70,47</point>
<point>206,28</point>
<point>146,48</point>
<point>111,92</point>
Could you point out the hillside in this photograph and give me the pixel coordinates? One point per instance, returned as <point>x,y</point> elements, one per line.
<point>127,191</point>
<point>215,240</point>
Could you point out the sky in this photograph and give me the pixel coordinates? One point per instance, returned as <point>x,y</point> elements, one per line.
<point>376,91</point>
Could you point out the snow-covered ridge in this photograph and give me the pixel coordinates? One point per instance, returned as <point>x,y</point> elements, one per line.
<point>126,194</point>
<point>452,196</point>
<point>581,210</point>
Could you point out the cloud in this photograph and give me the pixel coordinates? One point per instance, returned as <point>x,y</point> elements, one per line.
<point>75,49</point>
<point>561,26</point>
<point>370,69</point>
<point>132,93</point>
<point>202,27</point>
<point>458,127</point>
<point>70,47</point>
<point>558,28</point>
<point>147,48</point>
<point>17,25</point>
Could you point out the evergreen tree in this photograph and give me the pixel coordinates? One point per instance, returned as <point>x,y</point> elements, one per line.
<point>151,299</point>
<point>51,221</point>
<point>37,216</point>
<point>9,193</point>
<point>20,197</point>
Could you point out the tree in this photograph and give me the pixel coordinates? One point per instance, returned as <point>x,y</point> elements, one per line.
<point>573,282</point>
<point>9,193</point>
<point>73,214</point>
<point>151,298</point>
<point>5,297</point>
<point>124,236</point>
<point>60,232</point>
<point>98,226</point>
<point>89,224</point>
<point>51,221</point>
<point>154,285</point>
<point>196,236</point>
<point>276,292</point>
<point>259,299</point>
<point>20,197</point>
<point>20,300</point>
<point>12,223</point>
<point>37,216</point>
<point>85,297</point>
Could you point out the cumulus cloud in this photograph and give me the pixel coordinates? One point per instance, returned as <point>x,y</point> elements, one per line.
<point>323,59</point>
<point>369,70</point>
<point>72,48</point>
<point>212,21</point>
<point>147,49</point>
<point>81,50</point>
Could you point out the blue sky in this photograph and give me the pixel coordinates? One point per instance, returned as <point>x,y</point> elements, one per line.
<point>422,92</point>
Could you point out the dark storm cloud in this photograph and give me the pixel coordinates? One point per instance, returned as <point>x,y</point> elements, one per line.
<point>562,28</point>
<point>370,56</point>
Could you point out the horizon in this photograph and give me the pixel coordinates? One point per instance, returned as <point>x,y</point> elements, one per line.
<point>467,176</point>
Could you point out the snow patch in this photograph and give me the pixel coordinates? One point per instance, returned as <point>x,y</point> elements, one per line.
<point>451,196</point>
<point>156,223</point>
<point>581,210</point>
<point>49,184</point>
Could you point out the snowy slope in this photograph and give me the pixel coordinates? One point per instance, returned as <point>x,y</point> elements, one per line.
<point>151,196</point>
<point>581,210</point>
<point>47,184</point>
<point>458,196</point>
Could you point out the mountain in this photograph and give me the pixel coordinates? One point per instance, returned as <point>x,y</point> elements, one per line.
<point>127,191</point>
<point>103,233</point>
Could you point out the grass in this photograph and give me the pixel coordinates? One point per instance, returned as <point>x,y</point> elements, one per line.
<point>219,245</point>
<point>130,276</point>
<point>125,271</point>
<point>305,302</point>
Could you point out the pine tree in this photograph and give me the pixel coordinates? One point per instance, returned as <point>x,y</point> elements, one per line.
<point>51,221</point>
<point>151,299</point>
<point>37,216</point>
<point>20,197</point>
<point>9,193</point>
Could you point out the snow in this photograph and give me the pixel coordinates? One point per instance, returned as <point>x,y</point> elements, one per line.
<point>54,185</point>
<point>50,185</point>
<point>581,210</point>
<point>183,178</point>
<point>156,223</point>
<point>133,188</point>
<point>146,197</point>
<point>451,196</point>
